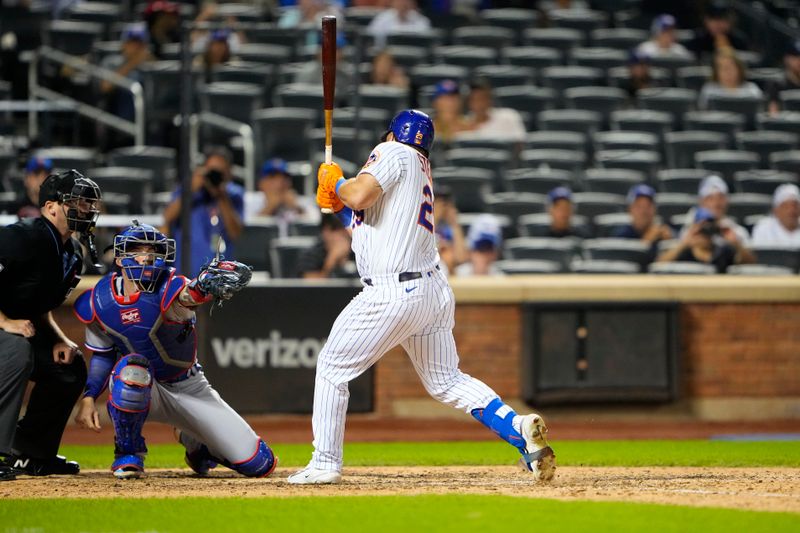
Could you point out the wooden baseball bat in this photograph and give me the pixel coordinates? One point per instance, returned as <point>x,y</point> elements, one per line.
<point>328,83</point>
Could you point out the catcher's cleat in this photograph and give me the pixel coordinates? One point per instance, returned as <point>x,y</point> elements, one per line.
<point>128,467</point>
<point>539,458</point>
<point>314,476</point>
<point>199,460</point>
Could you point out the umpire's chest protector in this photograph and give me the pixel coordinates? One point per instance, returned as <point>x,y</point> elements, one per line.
<point>138,325</point>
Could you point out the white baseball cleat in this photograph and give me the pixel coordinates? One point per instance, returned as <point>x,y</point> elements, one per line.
<point>314,476</point>
<point>540,459</point>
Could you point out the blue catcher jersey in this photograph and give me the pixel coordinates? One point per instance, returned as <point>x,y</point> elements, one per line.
<point>138,324</point>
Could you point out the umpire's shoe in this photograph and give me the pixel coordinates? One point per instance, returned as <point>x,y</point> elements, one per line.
<point>32,466</point>
<point>7,472</point>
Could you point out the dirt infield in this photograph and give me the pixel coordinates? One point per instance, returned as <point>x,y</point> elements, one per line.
<point>764,489</point>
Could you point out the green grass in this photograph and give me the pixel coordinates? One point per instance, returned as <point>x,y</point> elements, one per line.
<point>570,453</point>
<point>385,514</point>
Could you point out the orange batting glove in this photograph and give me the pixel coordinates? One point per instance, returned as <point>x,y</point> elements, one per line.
<point>327,176</point>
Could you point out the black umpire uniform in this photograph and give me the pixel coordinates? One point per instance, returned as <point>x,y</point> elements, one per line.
<point>38,269</point>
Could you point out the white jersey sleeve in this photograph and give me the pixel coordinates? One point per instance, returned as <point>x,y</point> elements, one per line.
<point>388,162</point>
<point>98,340</point>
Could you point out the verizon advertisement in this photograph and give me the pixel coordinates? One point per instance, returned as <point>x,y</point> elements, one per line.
<point>260,349</point>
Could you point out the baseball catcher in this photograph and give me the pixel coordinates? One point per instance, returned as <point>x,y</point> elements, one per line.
<point>140,325</point>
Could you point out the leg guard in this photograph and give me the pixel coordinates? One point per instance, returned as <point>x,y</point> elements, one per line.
<point>129,403</point>
<point>498,417</point>
<point>261,464</point>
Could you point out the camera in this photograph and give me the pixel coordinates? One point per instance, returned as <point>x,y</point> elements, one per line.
<point>214,177</point>
<point>710,229</point>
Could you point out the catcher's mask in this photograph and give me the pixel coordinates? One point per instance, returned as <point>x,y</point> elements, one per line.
<point>79,197</point>
<point>145,254</point>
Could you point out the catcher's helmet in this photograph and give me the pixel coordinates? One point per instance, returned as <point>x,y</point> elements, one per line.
<point>414,128</point>
<point>143,239</point>
<point>80,195</point>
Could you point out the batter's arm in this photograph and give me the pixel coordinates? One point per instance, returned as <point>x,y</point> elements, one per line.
<point>360,192</point>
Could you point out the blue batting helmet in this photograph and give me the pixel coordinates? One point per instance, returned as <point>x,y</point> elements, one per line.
<point>143,239</point>
<point>414,128</point>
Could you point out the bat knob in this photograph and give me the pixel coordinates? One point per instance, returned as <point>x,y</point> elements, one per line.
<point>327,210</point>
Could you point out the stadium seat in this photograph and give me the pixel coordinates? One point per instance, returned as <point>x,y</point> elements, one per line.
<point>483,36</point>
<point>577,120</point>
<point>299,228</point>
<point>160,160</point>
<point>506,75</point>
<point>561,78</point>
<point>680,180</point>
<point>515,20</point>
<point>104,13</point>
<point>423,39</point>
<point>536,181</point>
<point>245,72</point>
<point>606,225</point>
<point>495,161</point>
<point>284,253</point>
<point>555,140</point>
<point>681,268</point>
<point>762,181</point>
<point>369,119</point>
<point>515,204</point>
<point>788,121</point>
<point>726,162</point>
<point>234,100</point>
<point>348,146</point>
<point>759,270</point>
<point>625,140</point>
<point>277,130</point>
<point>390,99</point>
<point>469,57</point>
<point>602,266</point>
<point>562,39</point>
<point>788,161</point>
<point>468,186</point>
<point>406,56</point>
<point>620,38</point>
<point>673,203</point>
<point>722,121</point>
<point>536,57</point>
<point>620,77</point>
<point>765,143</point>
<point>526,99</point>
<point>271,54</point>
<point>72,37</point>
<point>602,100</point>
<point>598,57</point>
<point>558,250</point>
<point>672,63</point>
<point>747,105</point>
<point>785,256</point>
<point>361,16</point>
<point>422,75</point>
<point>693,77</point>
<point>681,146</point>
<point>646,161</point>
<point>583,20</point>
<point>270,33</point>
<point>742,205</point>
<point>253,244</point>
<point>135,183</point>
<point>304,95</point>
<point>610,249</point>
<point>591,204</point>
<point>672,100</point>
<point>612,180</point>
<point>790,100</point>
<point>656,122</point>
<point>67,157</point>
<point>538,225</point>
<point>528,266</point>
<point>572,161</point>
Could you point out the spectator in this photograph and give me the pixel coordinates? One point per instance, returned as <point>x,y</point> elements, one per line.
<point>644,226</point>
<point>275,196</point>
<point>783,226</point>
<point>134,52</point>
<point>311,71</point>
<point>163,21</point>
<point>449,235</point>
<point>216,211</point>
<point>717,33</point>
<point>713,195</point>
<point>791,76</point>
<point>638,74</point>
<point>485,238</point>
<point>702,243</point>
<point>27,204</point>
<point>330,257</point>
<point>448,111</point>
<point>728,78</point>
<point>402,17</point>
<point>559,202</point>
<point>307,14</point>
<point>218,51</point>
<point>487,121</point>
<point>663,42</point>
<point>385,71</point>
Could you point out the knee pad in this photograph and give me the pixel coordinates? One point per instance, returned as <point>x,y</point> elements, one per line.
<point>129,402</point>
<point>261,464</point>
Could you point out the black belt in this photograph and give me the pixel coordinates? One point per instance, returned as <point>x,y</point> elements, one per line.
<point>401,277</point>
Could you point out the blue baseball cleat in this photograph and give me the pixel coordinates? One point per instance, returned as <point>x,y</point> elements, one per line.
<point>128,466</point>
<point>538,457</point>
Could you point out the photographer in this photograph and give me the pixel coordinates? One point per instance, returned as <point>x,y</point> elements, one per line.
<point>217,210</point>
<point>705,242</point>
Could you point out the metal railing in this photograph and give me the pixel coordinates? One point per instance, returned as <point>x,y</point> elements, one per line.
<point>135,128</point>
<point>227,125</point>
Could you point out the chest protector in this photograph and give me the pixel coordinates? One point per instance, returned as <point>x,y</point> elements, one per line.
<point>138,325</point>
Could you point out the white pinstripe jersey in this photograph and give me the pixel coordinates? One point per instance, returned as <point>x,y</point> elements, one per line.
<point>396,234</point>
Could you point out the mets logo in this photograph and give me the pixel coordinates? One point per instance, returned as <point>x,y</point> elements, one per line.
<point>374,156</point>
<point>130,316</point>
<point>418,138</point>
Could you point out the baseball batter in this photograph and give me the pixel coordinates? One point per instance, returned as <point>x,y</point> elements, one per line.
<point>144,312</point>
<point>406,301</point>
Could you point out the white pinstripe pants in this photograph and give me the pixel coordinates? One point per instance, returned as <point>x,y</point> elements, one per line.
<point>416,314</point>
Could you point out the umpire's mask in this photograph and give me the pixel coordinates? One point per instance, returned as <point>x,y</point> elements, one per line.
<point>80,197</point>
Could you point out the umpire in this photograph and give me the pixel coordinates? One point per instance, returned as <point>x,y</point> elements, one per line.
<point>39,266</point>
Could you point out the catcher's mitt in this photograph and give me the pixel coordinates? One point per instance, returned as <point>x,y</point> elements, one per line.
<point>221,279</point>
